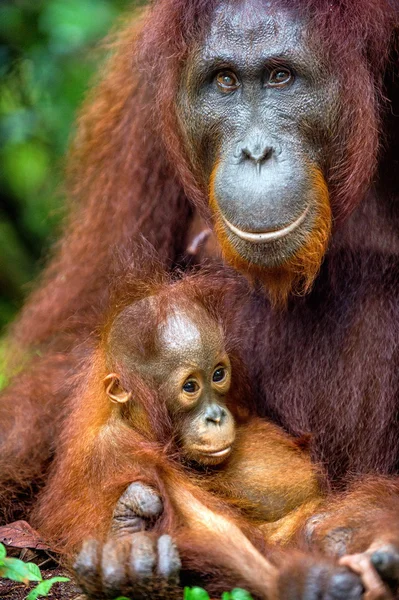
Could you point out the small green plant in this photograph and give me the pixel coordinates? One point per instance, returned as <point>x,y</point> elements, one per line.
<point>17,570</point>
<point>197,593</point>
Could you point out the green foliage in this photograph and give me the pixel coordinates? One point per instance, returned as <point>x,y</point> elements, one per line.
<point>44,587</point>
<point>17,570</point>
<point>197,593</point>
<point>237,594</point>
<point>46,63</point>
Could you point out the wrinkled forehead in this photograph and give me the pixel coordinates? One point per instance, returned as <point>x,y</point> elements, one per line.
<point>251,26</point>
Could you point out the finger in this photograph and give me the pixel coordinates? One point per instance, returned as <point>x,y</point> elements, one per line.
<point>140,499</point>
<point>142,557</point>
<point>86,568</point>
<point>385,560</point>
<point>169,563</point>
<point>113,563</point>
<point>360,564</point>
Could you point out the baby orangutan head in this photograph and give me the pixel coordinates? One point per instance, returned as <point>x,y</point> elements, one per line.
<point>177,348</point>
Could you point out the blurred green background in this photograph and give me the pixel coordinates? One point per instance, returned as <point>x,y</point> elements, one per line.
<point>47,59</point>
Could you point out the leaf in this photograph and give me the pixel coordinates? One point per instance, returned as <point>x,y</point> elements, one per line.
<point>3,551</point>
<point>195,593</point>
<point>34,569</point>
<point>17,570</point>
<point>21,535</point>
<point>26,167</point>
<point>240,594</point>
<point>226,596</point>
<point>44,587</point>
<point>122,598</point>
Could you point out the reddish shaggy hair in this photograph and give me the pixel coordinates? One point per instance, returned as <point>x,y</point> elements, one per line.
<point>87,462</point>
<point>322,364</point>
<point>128,172</point>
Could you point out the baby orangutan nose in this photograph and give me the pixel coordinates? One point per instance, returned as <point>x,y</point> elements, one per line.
<point>215,414</point>
<point>212,437</point>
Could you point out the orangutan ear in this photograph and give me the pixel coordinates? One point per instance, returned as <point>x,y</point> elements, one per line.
<point>114,390</point>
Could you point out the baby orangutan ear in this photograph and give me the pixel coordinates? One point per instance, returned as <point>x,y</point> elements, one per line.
<point>114,390</point>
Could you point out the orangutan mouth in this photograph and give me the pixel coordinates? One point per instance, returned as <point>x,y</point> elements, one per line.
<point>263,237</point>
<point>218,453</point>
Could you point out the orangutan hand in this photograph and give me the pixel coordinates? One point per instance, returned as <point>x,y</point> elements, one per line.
<point>136,510</point>
<point>140,566</point>
<point>305,577</point>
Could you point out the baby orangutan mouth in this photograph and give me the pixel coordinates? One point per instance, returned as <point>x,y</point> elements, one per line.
<point>209,457</point>
<point>222,453</point>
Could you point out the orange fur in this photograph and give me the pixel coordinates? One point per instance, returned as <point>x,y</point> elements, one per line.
<point>366,514</point>
<point>100,454</point>
<point>226,518</point>
<point>105,446</point>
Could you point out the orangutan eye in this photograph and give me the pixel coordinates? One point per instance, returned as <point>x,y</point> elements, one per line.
<point>280,77</point>
<point>219,374</point>
<point>227,81</point>
<point>190,386</point>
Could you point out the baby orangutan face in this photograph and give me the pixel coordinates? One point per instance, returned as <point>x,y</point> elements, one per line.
<point>197,379</point>
<point>191,371</point>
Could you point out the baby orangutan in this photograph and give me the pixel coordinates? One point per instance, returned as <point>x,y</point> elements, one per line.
<point>177,348</point>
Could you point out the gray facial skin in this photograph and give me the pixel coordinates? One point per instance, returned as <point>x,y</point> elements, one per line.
<point>264,137</point>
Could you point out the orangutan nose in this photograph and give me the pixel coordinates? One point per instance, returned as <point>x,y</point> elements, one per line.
<point>215,414</point>
<point>257,153</point>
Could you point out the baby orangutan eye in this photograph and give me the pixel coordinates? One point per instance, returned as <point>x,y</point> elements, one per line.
<point>219,374</point>
<point>190,386</point>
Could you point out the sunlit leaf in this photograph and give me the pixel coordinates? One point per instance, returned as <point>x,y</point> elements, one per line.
<point>17,570</point>
<point>195,593</point>
<point>240,594</point>
<point>34,569</point>
<point>44,587</point>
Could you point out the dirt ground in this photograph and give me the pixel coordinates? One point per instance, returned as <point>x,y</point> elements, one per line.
<point>23,542</point>
<point>11,590</point>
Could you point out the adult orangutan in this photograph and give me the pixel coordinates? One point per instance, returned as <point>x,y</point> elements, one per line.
<point>277,122</point>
